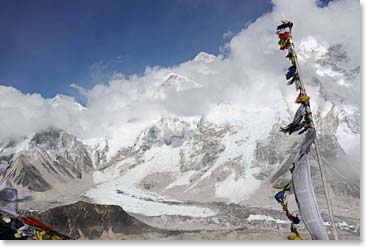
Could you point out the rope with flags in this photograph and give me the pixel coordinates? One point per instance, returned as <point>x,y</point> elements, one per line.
<point>281,198</point>
<point>301,175</point>
<point>20,227</point>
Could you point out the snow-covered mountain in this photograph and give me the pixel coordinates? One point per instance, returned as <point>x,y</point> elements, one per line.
<point>228,154</point>
<point>203,57</point>
<point>49,168</point>
<point>49,158</point>
<point>173,83</point>
<point>196,146</point>
<point>62,100</point>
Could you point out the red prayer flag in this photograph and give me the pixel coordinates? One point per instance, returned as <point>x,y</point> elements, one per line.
<point>284,35</point>
<point>29,220</point>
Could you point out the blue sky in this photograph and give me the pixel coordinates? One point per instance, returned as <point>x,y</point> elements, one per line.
<point>46,45</point>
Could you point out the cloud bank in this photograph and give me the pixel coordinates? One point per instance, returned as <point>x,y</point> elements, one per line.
<point>248,73</point>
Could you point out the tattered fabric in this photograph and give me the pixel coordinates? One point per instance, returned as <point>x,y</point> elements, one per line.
<point>303,190</point>
<point>296,123</point>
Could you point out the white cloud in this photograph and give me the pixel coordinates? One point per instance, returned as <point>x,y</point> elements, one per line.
<point>23,114</point>
<point>249,75</point>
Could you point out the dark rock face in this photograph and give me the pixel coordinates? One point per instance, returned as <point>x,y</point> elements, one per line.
<point>83,220</point>
<point>48,138</point>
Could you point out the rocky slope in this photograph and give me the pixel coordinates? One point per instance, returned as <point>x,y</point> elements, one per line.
<point>49,168</point>
<point>82,220</point>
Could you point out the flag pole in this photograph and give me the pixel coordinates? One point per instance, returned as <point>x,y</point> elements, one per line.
<point>318,157</point>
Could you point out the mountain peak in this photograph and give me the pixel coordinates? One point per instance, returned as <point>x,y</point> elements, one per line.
<point>311,47</point>
<point>204,57</point>
<point>64,100</point>
<point>49,138</point>
<point>174,82</point>
<point>180,83</point>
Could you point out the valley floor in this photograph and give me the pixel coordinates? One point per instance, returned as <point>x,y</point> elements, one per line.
<point>172,219</point>
<point>235,222</point>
